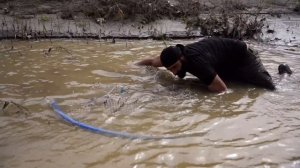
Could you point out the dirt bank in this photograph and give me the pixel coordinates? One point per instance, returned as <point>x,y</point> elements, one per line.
<point>142,19</point>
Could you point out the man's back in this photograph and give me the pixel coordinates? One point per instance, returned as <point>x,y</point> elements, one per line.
<point>212,56</point>
<point>217,51</point>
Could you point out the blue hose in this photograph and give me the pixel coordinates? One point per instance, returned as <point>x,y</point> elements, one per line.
<point>102,131</point>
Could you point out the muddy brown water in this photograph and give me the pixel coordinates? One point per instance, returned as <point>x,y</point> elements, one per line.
<point>98,83</point>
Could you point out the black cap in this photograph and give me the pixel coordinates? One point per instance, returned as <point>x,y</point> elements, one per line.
<point>170,56</point>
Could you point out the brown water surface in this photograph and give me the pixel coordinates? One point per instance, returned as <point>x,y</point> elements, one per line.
<point>98,83</point>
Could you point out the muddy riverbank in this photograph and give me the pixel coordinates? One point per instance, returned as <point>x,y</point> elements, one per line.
<point>260,20</point>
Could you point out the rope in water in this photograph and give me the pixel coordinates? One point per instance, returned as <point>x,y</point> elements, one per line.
<point>102,131</point>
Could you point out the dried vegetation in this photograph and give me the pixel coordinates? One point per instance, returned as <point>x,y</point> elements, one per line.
<point>219,20</point>
<point>231,25</point>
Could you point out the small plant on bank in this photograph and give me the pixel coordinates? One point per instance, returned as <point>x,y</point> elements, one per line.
<point>44,19</point>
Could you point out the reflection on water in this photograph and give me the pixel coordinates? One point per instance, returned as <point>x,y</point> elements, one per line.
<point>98,83</point>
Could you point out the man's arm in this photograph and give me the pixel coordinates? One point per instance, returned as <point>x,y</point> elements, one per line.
<point>217,85</point>
<point>155,62</point>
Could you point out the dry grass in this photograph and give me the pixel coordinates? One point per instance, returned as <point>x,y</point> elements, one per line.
<point>227,24</point>
<point>143,10</point>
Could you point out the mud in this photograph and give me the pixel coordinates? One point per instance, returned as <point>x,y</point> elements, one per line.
<point>144,19</point>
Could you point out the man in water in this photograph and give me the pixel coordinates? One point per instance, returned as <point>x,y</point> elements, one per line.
<point>214,60</point>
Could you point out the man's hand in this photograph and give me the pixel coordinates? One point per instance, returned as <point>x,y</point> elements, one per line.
<point>217,85</point>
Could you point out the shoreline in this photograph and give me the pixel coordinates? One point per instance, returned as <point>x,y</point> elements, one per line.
<point>278,30</point>
<point>276,21</point>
